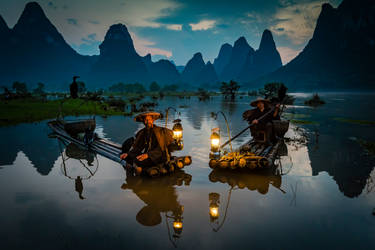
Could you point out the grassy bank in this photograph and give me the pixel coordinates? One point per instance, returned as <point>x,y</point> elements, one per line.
<point>31,110</point>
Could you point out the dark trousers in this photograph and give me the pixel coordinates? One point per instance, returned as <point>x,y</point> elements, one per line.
<point>266,128</point>
<point>147,163</point>
<point>132,158</point>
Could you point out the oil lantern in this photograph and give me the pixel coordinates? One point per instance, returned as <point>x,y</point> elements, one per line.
<point>215,140</point>
<point>177,133</point>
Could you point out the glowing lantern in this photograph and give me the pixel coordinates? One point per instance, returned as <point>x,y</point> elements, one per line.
<point>177,133</point>
<point>215,140</point>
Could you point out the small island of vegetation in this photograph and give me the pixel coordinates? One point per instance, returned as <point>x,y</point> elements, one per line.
<point>315,101</point>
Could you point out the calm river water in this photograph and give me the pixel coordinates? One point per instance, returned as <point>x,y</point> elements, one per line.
<point>321,196</point>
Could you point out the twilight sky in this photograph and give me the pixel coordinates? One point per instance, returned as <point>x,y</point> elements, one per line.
<point>177,29</point>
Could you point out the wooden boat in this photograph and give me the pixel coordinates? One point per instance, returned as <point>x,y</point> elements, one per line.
<point>79,126</point>
<point>253,154</point>
<point>106,148</point>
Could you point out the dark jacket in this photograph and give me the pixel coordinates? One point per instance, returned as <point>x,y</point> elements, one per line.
<point>250,115</point>
<point>158,150</point>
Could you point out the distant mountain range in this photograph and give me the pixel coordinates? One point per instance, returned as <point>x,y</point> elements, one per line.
<point>339,55</point>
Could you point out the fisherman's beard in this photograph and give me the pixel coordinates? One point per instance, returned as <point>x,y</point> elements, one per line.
<point>149,125</point>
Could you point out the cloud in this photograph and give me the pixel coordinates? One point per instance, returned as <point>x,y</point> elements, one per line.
<point>287,54</point>
<point>72,21</point>
<point>89,45</point>
<point>296,21</point>
<point>143,47</point>
<point>174,26</point>
<point>145,13</point>
<point>203,25</point>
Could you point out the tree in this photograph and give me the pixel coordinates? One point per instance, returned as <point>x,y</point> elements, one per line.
<point>39,90</point>
<point>276,92</point>
<point>154,86</point>
<point>229,89</point>
<point>271,90</point>
<point>20,88</point>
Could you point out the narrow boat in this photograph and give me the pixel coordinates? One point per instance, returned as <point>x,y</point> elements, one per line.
<point>79,126</point>
<point>106,148</point>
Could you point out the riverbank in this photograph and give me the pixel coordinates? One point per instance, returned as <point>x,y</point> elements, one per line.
<point>32,109</point>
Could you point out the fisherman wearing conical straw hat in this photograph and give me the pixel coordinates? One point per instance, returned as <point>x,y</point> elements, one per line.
<point>150,147</point>
<point>265,123</point>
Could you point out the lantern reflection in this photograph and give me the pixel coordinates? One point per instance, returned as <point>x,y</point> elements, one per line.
<point>214,199</point>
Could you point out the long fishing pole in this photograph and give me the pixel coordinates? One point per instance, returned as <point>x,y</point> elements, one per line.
<point>242,131</point>
<point>281,97</point>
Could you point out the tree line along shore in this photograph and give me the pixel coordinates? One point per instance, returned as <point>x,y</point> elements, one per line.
<point>19,105</point>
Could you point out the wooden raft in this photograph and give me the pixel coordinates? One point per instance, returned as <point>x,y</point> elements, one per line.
<point>109,149</point>
<point>251,155</point>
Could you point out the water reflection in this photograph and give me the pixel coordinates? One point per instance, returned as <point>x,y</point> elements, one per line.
<point>259,180</point>
<point>31,139</point>
<point>77,160</point>
<point>160,198</point>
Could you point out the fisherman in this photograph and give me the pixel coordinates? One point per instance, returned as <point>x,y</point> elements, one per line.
<point>74,88</point>
<point>265,124</point>
<point>149,150</point>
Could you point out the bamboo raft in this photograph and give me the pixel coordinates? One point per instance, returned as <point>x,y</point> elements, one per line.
<point>106,148</point>
<point>253,154</point>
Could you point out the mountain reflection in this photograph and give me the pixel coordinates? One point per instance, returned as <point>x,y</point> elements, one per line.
<point>33,141</point>
<point>160,198</point>
<point>78,164</point>
<point>344,160</point>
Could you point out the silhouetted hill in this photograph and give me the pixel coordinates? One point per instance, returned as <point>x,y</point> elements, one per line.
<point>36,51</point>
<point>193,68</point>
<point>4,29</point>
<point>118,61</point>
<point>265,60</point>
<point>207,76</point>
<point>162,71</point>
<point>240,52</point>
<point>341,53</point>
<point>223,58</point>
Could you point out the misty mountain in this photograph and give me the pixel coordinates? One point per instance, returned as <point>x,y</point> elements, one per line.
<point>341,53</point>
<point>118,61</point>
<point>208,76</point>
<point>223,58</point>
<point>34,51</point>
<point>193,68</point>
<point>241,50</point>
<point>265,60</point>
<point>163,71</point>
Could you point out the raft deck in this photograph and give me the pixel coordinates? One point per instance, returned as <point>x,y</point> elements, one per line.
<point>251,155</point>
<point>111,150</point>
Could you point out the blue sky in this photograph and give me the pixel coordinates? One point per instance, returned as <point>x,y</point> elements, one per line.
<point>177,29</point>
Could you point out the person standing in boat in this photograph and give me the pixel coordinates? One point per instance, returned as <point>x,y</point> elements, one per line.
<point>264,124</point>
<point>149,150</point>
